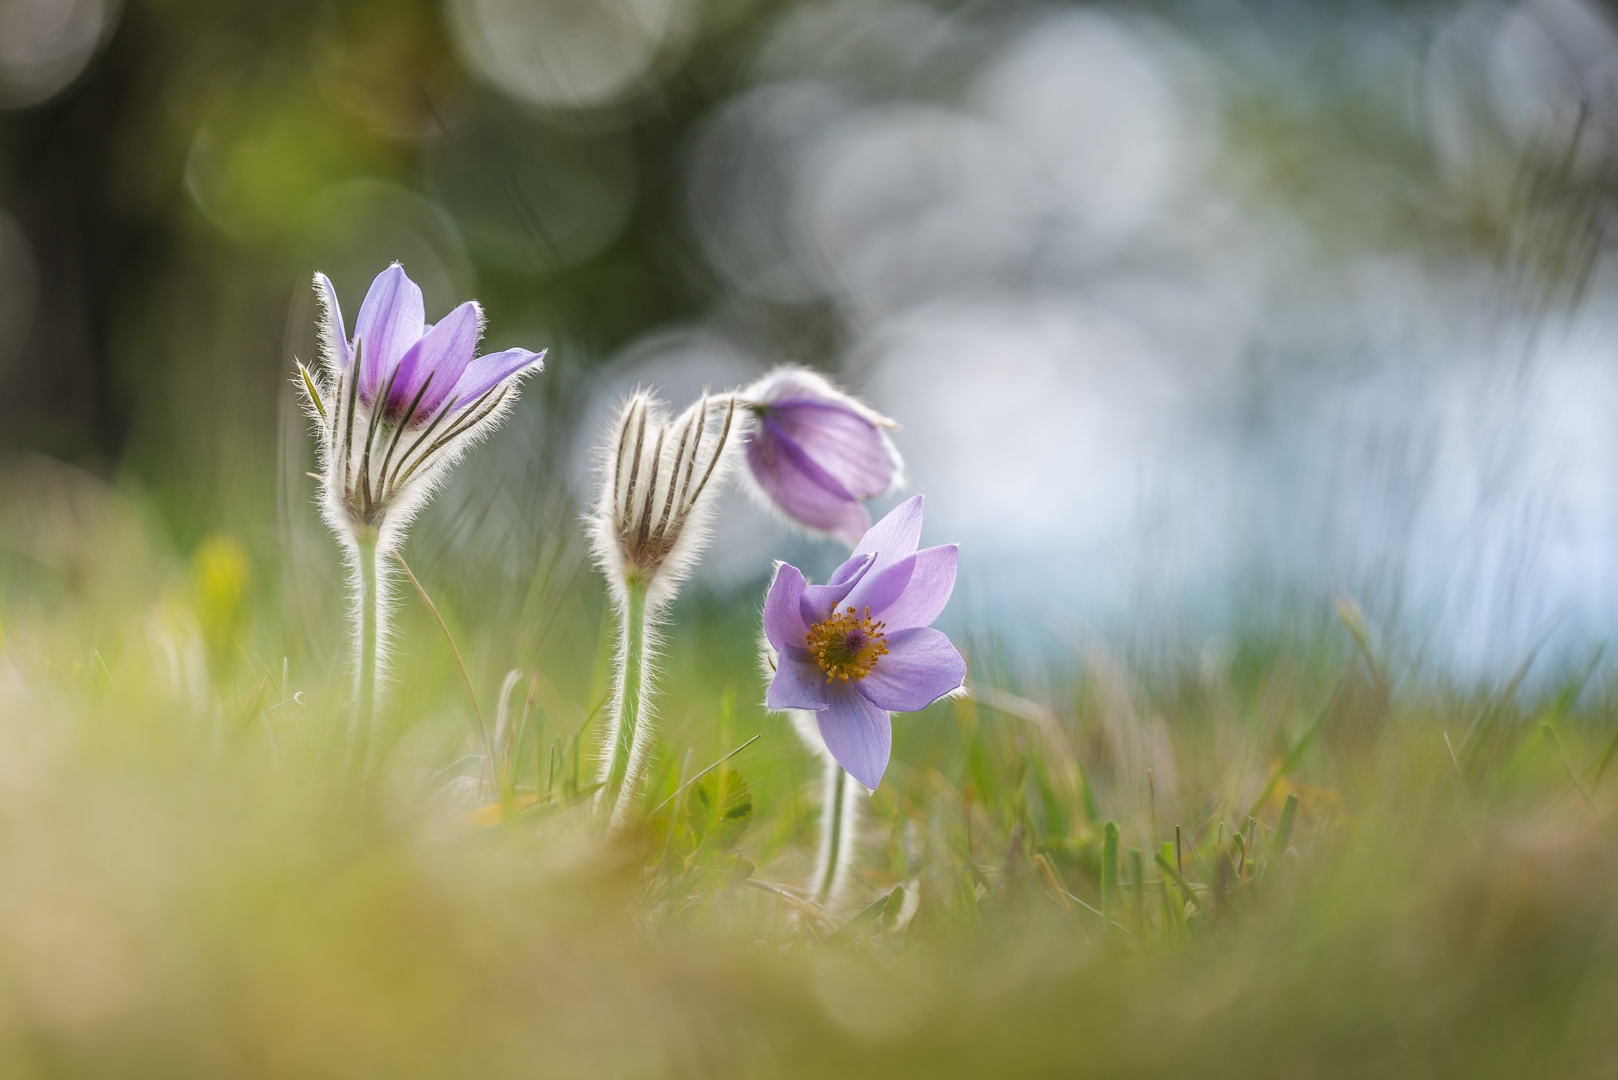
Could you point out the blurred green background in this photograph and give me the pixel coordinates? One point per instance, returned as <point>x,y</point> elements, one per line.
<point>1215,301</point>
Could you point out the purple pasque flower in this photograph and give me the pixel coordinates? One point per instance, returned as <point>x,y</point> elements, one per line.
<point>398,403</point>
<point>815,452</point>
<point>860,646</point>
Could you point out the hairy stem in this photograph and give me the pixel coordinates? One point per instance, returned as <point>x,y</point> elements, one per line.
<point>835,845</point>
<point>625,763</point>
<point>365,653</point>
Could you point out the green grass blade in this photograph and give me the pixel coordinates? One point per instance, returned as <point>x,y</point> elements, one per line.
<point>1283,832</point>
<point>1165,864</point>
<point>1109,868</point>
<point>850,931</point>
<point>1137,888</point>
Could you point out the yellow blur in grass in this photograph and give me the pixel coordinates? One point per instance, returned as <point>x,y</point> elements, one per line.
<point>220,576</point>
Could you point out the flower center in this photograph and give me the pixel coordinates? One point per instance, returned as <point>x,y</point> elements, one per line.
<point>847,646</point>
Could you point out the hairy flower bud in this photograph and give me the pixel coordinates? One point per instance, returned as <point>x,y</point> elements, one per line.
<point>652,516</point>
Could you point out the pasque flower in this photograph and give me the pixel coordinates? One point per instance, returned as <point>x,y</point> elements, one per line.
<point>657,479</point>
<point>394,407</point>
<point>861,646</point>
<point>815,452</point>
<point>401,401</point>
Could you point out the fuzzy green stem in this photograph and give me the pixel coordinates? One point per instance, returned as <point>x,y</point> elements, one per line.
<point>365,695</point>
<point>621,784</point>
<point>833,822</point>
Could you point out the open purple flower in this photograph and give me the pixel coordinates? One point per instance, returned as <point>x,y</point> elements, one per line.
<point>402,399</point>
<point>816,452</point>
<point>860,646</point>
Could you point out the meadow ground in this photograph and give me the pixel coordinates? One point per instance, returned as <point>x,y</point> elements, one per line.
<point>1297,855</point>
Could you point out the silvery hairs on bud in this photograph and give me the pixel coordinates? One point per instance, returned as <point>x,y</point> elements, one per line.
<point>659,477</point>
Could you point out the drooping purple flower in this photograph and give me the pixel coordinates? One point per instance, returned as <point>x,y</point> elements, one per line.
<point>401,400</point>
<point>815,452</point>
<point>861,646</point>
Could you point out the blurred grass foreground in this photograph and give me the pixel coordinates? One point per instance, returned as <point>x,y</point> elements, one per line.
<point>1279,862</point>
<point>1259,355</point>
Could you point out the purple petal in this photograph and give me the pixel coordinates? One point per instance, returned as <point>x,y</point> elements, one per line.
<point>783,622</point>
<point>443,353</point>
<point>895,537</point>
<point>820,600</point>
<point>911,592</point>
<point>487,372</point>
<point>920,667</point>
<point>333,334</point>
<point>798,683</point>
<point>857,733</point>
<point>390,321</point>
<point>803,490</point>
<point>840,439</point>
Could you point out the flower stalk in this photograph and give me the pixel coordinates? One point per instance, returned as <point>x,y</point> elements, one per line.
<point>839,820</point>
<point>628,701</point>
<point>367,615</point>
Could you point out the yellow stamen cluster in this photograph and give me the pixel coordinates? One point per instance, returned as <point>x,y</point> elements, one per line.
<point>847,646</point>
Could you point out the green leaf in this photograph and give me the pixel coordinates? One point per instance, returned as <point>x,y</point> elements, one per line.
<point>850,931</point>
<point>719,808</point>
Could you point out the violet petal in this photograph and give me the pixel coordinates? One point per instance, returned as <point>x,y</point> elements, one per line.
<point>390,321</point>
<point>443,352</point>
<point>911,592</point>
<point>896,536</point>
<point>783,621</point>
<point>798,683</point>
<point>332,330</point>
<point>839,439</point>
<point>802,489</point>
<point>920,667</point>
<point>487,372</point>
<point>819,601</point>
<point>857,733</point>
